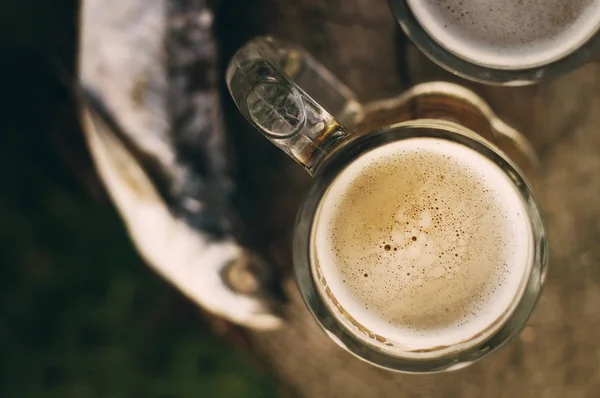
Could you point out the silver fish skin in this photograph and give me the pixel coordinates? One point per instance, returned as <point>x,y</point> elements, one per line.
<point>150,108</point>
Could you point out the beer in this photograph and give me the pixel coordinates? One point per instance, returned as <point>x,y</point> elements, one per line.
<point>422,242</point>
<point>509,34</point>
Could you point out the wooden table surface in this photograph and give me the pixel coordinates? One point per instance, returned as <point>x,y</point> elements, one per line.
<point>558,354</point>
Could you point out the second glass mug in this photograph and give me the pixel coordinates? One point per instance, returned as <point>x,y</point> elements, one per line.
<point>564,54</point>
<point>328,132</point>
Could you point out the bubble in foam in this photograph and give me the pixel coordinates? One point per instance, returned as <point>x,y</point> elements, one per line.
<point>445,280</point>
<point>509,33</point>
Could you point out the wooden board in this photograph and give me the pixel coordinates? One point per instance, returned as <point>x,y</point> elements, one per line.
<point>558,354</point>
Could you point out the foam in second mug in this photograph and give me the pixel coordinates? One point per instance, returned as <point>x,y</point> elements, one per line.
<point>509,34</point>
<point>424,242</point>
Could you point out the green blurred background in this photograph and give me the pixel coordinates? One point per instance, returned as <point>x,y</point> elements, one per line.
<point>80,314</point>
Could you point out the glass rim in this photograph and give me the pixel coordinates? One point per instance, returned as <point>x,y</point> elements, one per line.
<point>488,74</point>
<point>327,320</point>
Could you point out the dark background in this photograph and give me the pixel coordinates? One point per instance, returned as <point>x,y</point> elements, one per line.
<point>80,314</point>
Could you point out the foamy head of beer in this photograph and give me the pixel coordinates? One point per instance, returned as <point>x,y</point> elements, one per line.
<point>509,34</point>
<point>422,242</point>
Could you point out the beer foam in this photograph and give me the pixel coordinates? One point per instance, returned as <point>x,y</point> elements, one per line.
<point>509,34</point>
<point>424,242</point>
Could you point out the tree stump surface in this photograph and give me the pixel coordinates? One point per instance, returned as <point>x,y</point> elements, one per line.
<point>558,354</point>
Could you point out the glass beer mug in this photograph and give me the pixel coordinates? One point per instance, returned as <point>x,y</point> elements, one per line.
<point>509,42</point>
<point>420,246</point>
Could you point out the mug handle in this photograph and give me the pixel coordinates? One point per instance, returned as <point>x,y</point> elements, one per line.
<point>264,79</point>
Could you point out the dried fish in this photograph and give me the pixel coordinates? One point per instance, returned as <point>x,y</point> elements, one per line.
<point>148,72</point>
